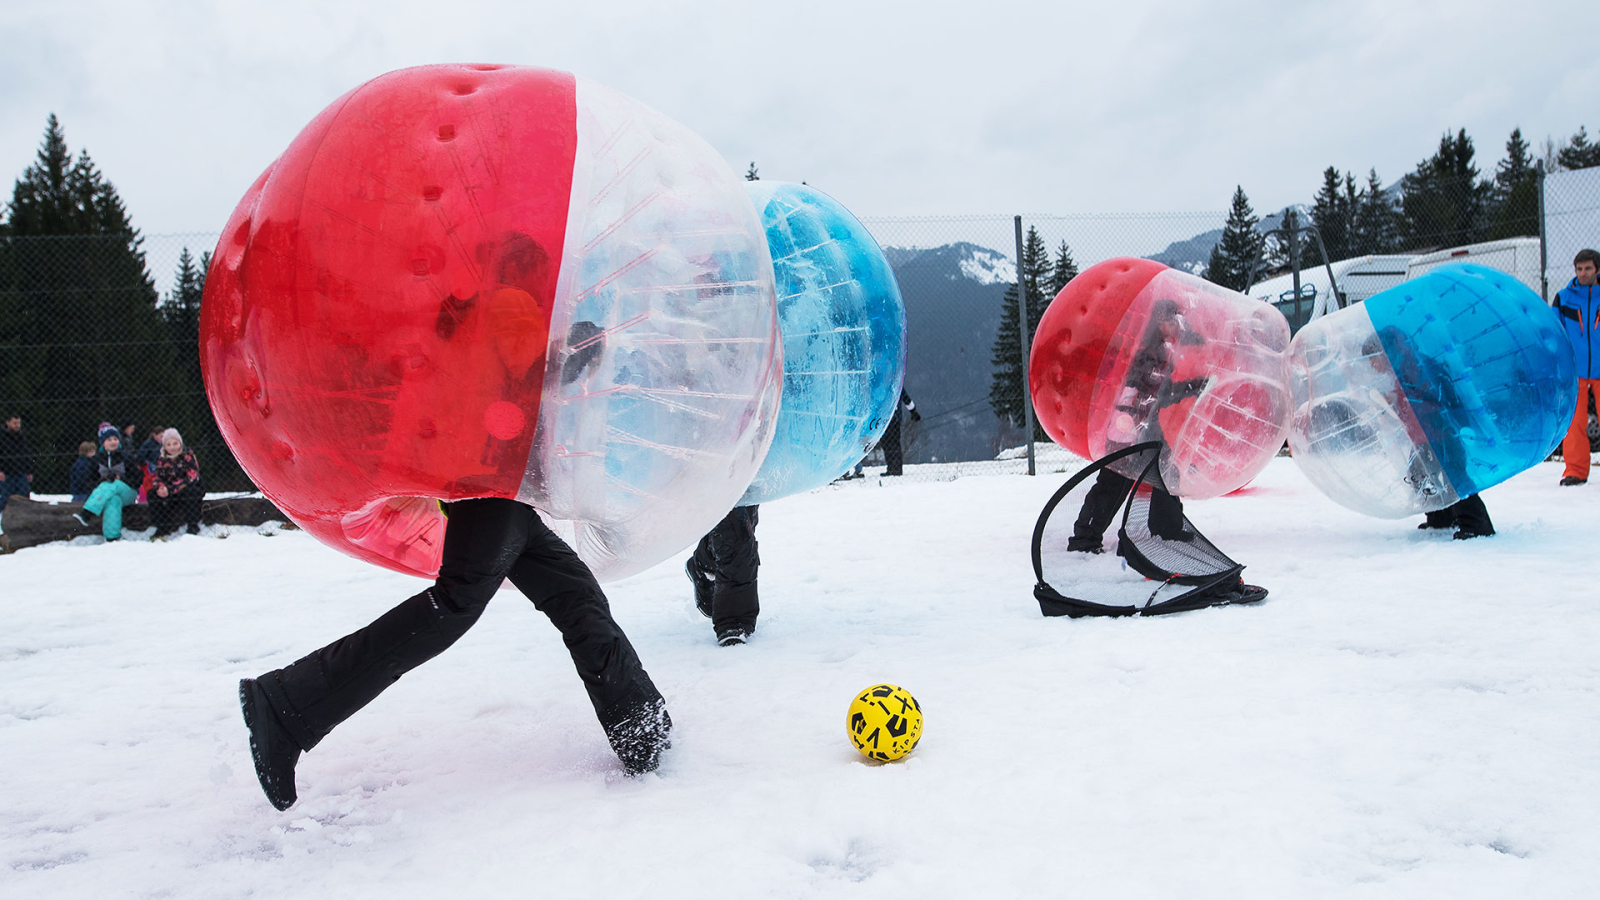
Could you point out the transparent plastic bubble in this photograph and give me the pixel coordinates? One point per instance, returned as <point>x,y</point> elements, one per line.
<point>491,281</point>
<point>1429,392</point>
<point>844,345</point>
<point>1173,358</point>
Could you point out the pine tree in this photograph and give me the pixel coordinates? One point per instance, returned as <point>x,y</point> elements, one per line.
<point>1332,212</point>
<point>79,301</point>
<point>1579,152</point>
<point>181,313</point>
<point>1515,193</point>
<point>1063,270</point>
<point>1240,247</point>
<point>1278,256</point>
<point>751,174</point>
<point>1443,202</point>
<point>1372,224</point>
<point>1517,165</point>
<point>40,200</point>
<point>1006,386</point>
<point>1547,154</point>
<point>182,307</point>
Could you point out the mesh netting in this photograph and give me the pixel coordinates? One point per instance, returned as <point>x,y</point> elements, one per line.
<point>1161,563</point>
<point>1159,541</point>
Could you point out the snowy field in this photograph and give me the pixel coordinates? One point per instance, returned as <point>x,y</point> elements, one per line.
<point>1405,716</point>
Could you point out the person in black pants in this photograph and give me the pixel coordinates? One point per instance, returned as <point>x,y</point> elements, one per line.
<point>1147,389</point>
<point>290,710</point>
<point>1428,387</point>
<point>176,495</point>
<point>893,453</point>
<point>1099,508</point>
<point>723,570</point>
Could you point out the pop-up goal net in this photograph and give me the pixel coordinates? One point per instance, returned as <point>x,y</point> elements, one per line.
<point>1181,569</point>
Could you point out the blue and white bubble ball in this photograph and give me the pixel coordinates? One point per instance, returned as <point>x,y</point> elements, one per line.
<point>1429,392</point>
<point>843,328</point>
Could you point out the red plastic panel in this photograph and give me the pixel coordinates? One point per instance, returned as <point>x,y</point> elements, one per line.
<point>1071,342</point>
<point>1143,352</point>
<point>377,312</point>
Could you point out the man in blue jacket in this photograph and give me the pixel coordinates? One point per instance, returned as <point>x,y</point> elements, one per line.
<point>1579,306</point>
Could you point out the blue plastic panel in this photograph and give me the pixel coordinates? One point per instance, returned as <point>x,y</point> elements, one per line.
<point>844,339</point>
<point>1484,367</point>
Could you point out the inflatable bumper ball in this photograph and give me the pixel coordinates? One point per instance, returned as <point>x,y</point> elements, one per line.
<point>1133,351</point>
<point>844,339</point>
<point>486,281</point>
<point>1430,391</point>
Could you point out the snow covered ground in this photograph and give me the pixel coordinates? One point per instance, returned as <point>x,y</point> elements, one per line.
<point>1406,716</point>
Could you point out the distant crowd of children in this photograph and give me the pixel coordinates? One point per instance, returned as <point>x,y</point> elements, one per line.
<point>109,474</point>
<point>162,473</point>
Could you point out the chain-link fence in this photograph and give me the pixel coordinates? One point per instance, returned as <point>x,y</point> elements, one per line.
<point>966,361</point>
<point>93,329</point>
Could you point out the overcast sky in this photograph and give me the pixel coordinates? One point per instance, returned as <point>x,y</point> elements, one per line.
<point>911,108</point>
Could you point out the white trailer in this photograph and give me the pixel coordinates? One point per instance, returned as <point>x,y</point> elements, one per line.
<point>1359,278</point>
<point>1517,257</point>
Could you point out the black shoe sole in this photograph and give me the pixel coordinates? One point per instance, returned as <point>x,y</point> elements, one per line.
<point>253,703</point>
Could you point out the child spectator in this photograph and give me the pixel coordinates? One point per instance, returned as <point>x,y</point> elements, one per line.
<point>176,491</point>
<point>80,481</point>
<point>120,475</point>
<point>150,450</point>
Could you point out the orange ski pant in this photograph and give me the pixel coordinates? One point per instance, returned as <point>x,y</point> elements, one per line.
<point>1575,448</point>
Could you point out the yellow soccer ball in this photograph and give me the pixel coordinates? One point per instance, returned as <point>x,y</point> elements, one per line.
<point>885,722</point>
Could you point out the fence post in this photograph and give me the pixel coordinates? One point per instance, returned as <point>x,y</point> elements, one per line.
<point>1022,334</point>
<point>1293,218</point>
<point>1544,263</point>
<point>1327,265</point>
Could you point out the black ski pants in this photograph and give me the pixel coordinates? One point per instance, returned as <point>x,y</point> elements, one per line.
<point>182,508</point>
<point>1104,500</point>
<point>728,553</point>
<point>485,542</point>
<point>893,454</point>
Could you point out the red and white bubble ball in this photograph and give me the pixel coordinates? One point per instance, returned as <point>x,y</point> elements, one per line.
<point>1133,351</point>
<point>491,281</point>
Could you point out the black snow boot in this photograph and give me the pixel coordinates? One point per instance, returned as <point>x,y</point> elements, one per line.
<point>1472,518</point>
<point>639,733</point>
<point>704,586</point>
<point>1439,518</point>
<point>271,748</point>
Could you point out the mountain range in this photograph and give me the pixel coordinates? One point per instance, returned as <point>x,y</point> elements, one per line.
<point>953,296</point>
